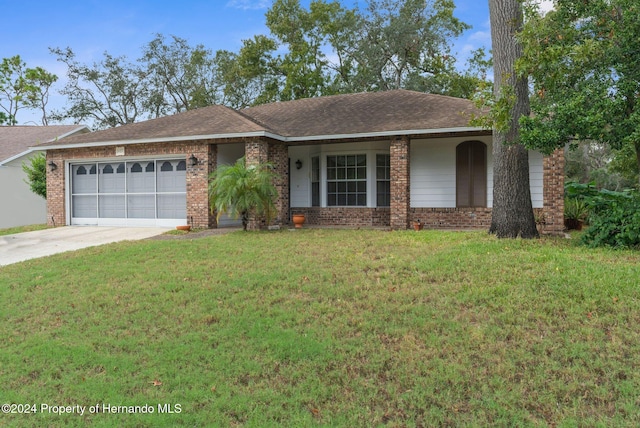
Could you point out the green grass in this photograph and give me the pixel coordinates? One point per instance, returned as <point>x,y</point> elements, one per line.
<point>326,328</point>
<point>20,229</point>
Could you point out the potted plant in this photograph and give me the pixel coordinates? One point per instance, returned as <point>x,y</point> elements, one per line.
<point>417,225</point>
<point>298,220</point>
<point>240,190</point>
<point>575,212</point>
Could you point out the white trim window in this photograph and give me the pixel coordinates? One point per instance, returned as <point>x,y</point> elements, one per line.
<point>383,180</point>
<point>315,181</point>
<point>347,180</point>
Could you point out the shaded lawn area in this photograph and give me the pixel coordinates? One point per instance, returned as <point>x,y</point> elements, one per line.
<point>326,328</point>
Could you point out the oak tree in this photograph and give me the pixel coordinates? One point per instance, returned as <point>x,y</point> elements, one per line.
<point>584,61</point>
<point>512,214</point>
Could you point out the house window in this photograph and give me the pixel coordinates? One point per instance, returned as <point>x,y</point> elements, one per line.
<point>471,174</point>
<point>383,180</point>
<point>347,180</point>
<point>315,181</point>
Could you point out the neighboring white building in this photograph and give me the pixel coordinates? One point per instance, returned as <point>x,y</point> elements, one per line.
<point>20,206</point>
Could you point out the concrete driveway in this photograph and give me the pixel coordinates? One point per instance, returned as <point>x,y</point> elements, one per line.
<point>30,245</point>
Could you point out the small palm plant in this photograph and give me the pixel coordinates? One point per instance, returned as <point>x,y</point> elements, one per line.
<point>239,190</point>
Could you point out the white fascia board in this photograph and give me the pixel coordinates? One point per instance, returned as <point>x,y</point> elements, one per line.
<point>19,155</point>
<point>383,134</point>
<point>78,129</point>
<point>263,134</point>
<point>160,140</point>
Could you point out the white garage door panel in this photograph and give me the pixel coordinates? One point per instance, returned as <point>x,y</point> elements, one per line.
<point>172,206</point>
<point>141,206</point>
<point>84,206</point>
<point>111,206</point>
<point>129,193</point>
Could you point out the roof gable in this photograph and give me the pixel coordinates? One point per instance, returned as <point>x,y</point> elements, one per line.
<point>15,140</point>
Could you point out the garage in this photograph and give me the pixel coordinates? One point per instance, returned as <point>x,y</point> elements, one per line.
<point>150,192</point>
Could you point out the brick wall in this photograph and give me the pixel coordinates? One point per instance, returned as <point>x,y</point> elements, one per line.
<point>55,189</point>
<point>198,210</point>
<point>452,218</point>
<point>197,176</point>
<point>553,193</point>
<point>279,158</point>
<point>400,183</point>
<point>398,216</point>
<point>345,216</point>
<point>262,150</point>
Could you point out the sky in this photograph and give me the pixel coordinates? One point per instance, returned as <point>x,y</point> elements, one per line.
<point>122,27</point>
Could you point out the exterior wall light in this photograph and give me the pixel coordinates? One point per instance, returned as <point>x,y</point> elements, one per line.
<point>193,161</point>
<point>298,164</point>
<point>52,166</point>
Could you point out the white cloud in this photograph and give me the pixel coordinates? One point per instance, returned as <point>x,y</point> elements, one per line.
<point>249,4</point>
<point>480,36</point>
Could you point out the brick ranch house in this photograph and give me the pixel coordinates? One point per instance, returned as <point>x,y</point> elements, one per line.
<point>369,159</point>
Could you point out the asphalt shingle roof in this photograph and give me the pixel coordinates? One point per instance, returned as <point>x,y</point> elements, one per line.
<point>216,119</point>
<point>397,110</point>
<point>17,139</point>
<point>337,115</point>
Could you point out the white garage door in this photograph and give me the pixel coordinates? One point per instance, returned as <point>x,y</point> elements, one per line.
<point>131,193</point>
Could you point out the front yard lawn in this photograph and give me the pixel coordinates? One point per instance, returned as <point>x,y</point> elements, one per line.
<point>327,328</point>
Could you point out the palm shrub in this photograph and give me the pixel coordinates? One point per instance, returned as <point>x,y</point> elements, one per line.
<point>575,209</point>
<point>240,190</point>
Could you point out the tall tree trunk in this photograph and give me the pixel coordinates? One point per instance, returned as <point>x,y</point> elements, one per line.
<point>512,208</point>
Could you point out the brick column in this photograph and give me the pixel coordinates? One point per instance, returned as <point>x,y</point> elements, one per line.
<point>279,157</point>
<point>56,208</point>
<point>259,151</point>
<point>256,151</point>
<point>198,211</point>
<point>400,183</point>
<point>553,192</point>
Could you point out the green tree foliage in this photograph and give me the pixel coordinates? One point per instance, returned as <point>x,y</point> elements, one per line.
<point>589,161</point>
<point>242,190</point>
<point>36,171</point>
<point>329,49</point>
<point>250,76</point>
<point>584,61</point>
<point>404,41</point>
<point>182,77</point>
<point>170,77</point>
<point>108,93</point>
<point>322,49</point>
<point>23,87</point>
